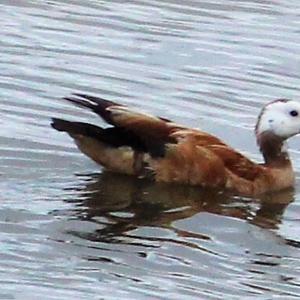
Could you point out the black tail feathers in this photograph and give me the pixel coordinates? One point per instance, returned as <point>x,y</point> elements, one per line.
<point>76,128</point>
<point>112,136</point>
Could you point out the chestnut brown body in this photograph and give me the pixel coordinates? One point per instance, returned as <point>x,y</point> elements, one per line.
<point>146,146</point>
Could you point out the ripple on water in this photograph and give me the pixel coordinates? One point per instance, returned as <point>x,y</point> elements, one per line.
<point>67,229</point>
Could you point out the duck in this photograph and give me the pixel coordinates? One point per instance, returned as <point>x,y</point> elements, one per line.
<point>155,148</point>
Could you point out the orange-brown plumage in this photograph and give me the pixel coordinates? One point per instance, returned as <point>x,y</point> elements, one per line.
<point>143,145</point>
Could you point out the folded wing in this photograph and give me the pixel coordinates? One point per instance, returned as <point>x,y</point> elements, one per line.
<point>149,131</point>
<point>174,153</point>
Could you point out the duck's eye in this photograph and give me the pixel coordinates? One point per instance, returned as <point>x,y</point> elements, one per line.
<point>294,113</point>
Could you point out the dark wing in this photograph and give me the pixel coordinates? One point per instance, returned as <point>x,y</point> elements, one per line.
<point>153,132</point>
<point>96,104</point>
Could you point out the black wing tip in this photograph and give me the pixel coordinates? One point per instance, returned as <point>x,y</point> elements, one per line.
<point>79,102</point>
<point>95,99</point>
<point>95,104</point>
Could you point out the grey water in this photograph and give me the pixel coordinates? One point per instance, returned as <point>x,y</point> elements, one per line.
<point>68,230</point>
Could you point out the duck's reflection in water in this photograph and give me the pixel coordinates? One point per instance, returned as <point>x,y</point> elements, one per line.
<point>122,203</point>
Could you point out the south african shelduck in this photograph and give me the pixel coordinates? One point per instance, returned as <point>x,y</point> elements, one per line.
<point>147,146</point>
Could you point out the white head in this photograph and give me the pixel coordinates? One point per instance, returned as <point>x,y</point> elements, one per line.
<point>280,118</point>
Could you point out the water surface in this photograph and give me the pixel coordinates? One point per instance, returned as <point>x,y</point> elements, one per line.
<point>68,230</point>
